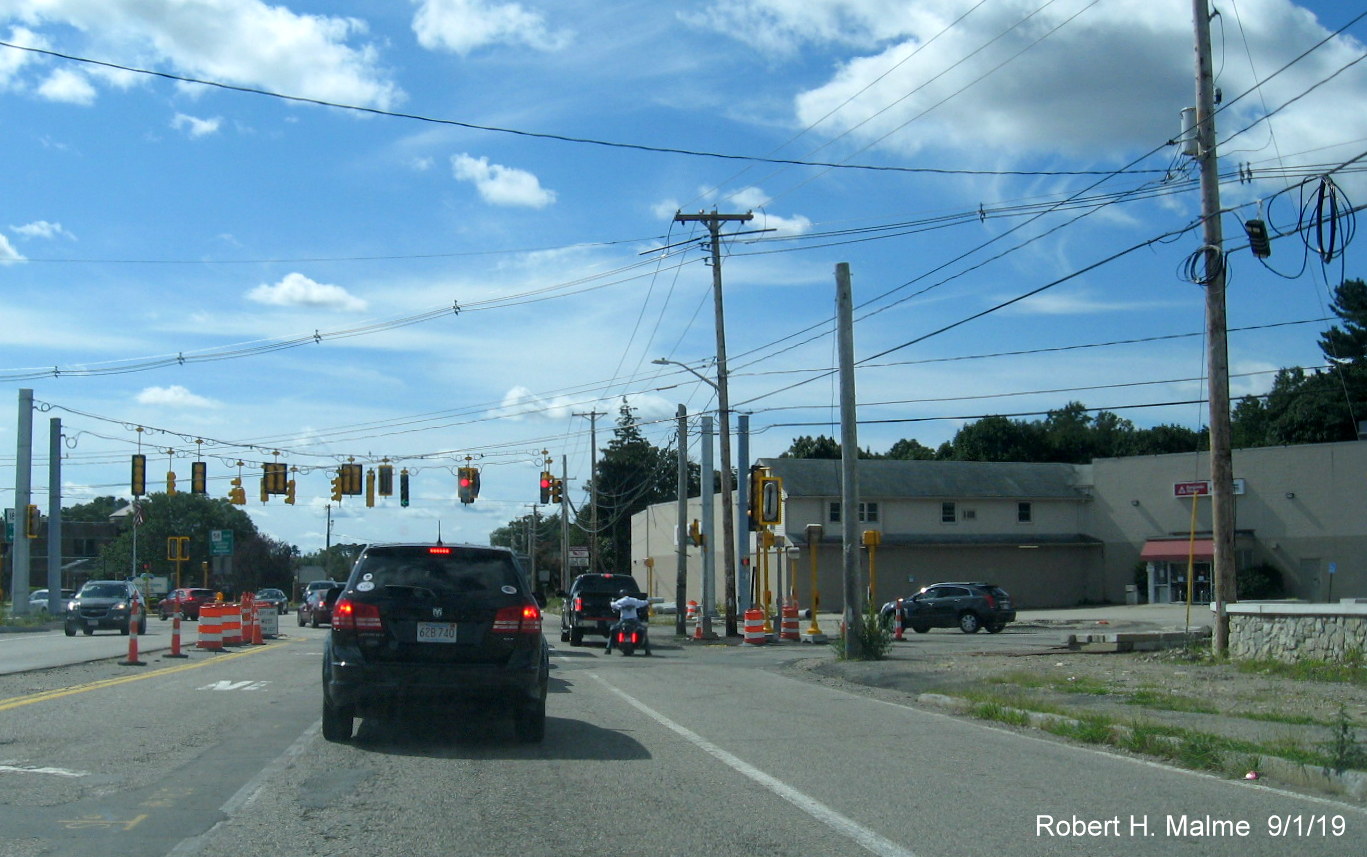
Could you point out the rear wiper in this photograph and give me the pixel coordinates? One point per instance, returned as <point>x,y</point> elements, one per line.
<point>416,590</point>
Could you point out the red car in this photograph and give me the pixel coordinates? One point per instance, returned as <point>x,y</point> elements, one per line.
<point>316,608</point>
<point>189,601</point>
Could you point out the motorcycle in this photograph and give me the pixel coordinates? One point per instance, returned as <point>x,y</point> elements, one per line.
<point>628,634</point>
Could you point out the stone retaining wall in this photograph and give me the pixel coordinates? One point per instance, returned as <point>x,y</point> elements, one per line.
<point>1290,632</point>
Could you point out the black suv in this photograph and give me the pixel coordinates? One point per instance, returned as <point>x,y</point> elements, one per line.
<point>435,625</point>
<point>966,606</point>
<point>104,604</point>
<point>588,605</point>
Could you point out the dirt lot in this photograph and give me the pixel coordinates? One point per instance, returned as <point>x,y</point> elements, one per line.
<point>1293,730</point>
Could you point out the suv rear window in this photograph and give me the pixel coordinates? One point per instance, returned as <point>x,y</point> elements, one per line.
<point>442,570</point>
<point>609,583</point>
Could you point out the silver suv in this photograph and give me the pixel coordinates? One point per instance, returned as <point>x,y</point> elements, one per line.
<point>104,604</point>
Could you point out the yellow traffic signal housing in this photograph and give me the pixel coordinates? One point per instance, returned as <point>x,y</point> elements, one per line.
<point>199,482</point>
<point>289,492</point>
<point>337,487</point>
<point>351,479</point>
<point>32,520</point>
<point>237,495</point>
<point>370,488</point>
<point>769,501</point>
<point>557,491</point>
<point>274,475</point>
<point>385,480</point>
<point>139,479</point>
<point>170,482</point>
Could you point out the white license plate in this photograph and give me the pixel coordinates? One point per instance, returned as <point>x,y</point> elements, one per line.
<point>436,632</point>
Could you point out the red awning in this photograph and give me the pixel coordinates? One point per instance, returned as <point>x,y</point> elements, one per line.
<point>1173,550</point>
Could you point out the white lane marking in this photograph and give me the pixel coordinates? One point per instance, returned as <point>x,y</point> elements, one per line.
<point>841,824</point>
<point>11,767</point>
<point>236,685</point>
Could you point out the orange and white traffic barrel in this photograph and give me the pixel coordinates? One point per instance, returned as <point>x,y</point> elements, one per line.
<point>788,626</point>
<point>210,627</point>
<point>754,628</point>
<point>231,623</point>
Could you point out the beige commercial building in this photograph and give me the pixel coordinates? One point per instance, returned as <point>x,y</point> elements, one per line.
<point>1053,535</point>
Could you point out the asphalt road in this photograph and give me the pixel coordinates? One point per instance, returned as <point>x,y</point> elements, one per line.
<point>700,750</point>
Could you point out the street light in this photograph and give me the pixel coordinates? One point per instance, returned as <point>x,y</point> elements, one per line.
<point>728,519</point>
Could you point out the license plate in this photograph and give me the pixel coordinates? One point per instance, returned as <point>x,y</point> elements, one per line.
<point>436,632</point>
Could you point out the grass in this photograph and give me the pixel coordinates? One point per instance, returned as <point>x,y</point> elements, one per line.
<point>1186,747</point>
<point>1350,671</point>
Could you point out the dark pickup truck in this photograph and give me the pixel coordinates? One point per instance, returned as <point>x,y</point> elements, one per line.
<point>588,607</point>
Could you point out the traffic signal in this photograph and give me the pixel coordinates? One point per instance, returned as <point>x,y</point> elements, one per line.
<point>139,480</point>
<point>546,482</point>
<point>468,483</point>
<point>385,474</point>
<point>289,492</point>
<point>274,475</point>
<point>337,487</point>
<point>237,495</point>
<point>199,481</point>
<point>557,491</point>
<point>403,487</point>
<point>769,501</point>
<point>370,488</point>
<point>265,490</point>
<point>32,519</point>
<point>752,500</point>
<point>170,482</point>
<point>351,479</point>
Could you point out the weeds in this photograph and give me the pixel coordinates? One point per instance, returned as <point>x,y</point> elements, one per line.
<point>1350,671</point>
<point>874,639</point>
<point>1000,713</point>
<point>1344,751</point>
<point>1156,699</point>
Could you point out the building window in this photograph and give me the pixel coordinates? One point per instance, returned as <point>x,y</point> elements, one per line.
<point>1024,513</point>
<point>868,513</point>
<point>948,512</point>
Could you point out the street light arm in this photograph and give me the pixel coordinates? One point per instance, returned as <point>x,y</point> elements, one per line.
<point>661,361</point>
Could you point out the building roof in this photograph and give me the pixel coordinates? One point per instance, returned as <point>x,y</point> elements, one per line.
<point>948,480</point>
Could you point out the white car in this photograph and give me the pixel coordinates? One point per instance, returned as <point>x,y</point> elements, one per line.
<point>37,601</point>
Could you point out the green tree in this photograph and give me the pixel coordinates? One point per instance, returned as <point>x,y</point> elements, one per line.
<point>632,474</point>
<point>997,438</point>
<point>181,514</point>
<point>97,511</point>
<point>910,450</point>
<point>517,533</point>
<point>813,447</point>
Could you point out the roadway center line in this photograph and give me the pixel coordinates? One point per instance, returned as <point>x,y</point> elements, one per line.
<point>840,823</point>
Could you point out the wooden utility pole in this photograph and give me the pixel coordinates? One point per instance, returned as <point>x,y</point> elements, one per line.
<point>849,468</point>
<point>713,223</point>
<point>1221,459</point>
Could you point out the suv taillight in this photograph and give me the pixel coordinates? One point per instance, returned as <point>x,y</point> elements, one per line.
<point>348,615</point>
<point>578,604</point>
<point>518,619</point>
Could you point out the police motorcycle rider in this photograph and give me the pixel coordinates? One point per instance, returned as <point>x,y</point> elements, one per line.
<point>627,606</point>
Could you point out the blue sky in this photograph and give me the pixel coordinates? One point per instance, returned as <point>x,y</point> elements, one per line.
<point>456,230</point>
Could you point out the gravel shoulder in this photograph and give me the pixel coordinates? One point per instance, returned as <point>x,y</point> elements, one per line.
<point>1299,733</point>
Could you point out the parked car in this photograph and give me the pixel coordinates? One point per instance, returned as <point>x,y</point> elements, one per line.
<point>104,604</point>
<point>37,600</point>
<point>189,601</point>
<point>275,598</point>
<point>588,605</point>
<point>436,626</point>
<point>316,608</point>
<point>966,606</point>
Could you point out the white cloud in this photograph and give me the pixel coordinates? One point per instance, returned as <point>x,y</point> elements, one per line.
<point>7,252</point>
<point>196,127</point>
<point>461,26</point>
<point>244,42</point>
<point>173,396</point>
<point>68,86</point>
<point>297,290</point>
<point>41,229</point>
<point>499,185</point>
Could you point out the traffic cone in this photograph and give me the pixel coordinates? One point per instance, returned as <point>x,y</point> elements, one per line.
<point>897,621</point>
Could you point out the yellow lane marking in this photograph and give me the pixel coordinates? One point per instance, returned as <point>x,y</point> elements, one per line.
<point>100,821</point>
<point>43,696</point>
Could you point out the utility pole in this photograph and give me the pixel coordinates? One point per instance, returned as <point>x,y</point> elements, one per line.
<point>681,529</point>
<point>849,465</point>
<point>564,524</point>
<point>593,487</point>
<point>1221,459</point>
<point>713,223</point>
<point>23,487</point>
